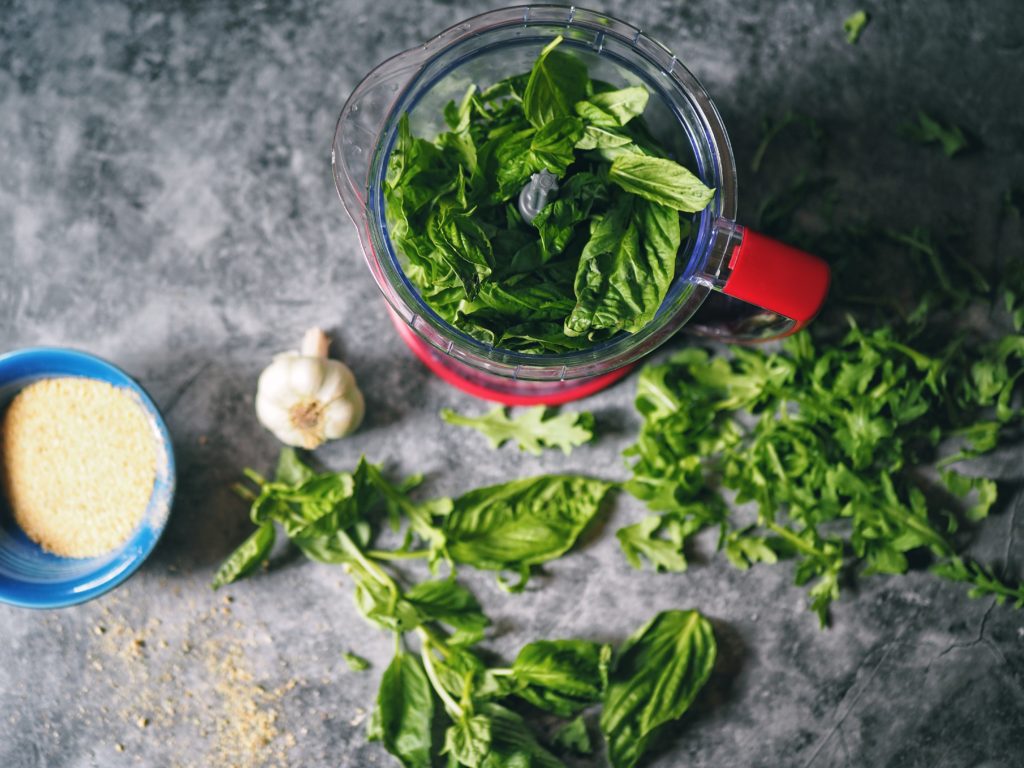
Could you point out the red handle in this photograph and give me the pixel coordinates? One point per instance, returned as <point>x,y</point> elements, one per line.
<point>777,277</point>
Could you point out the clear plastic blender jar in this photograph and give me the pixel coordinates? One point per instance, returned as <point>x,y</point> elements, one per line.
<point>764,288</point>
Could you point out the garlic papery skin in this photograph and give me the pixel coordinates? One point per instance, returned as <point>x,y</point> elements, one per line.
<point>305,399</point>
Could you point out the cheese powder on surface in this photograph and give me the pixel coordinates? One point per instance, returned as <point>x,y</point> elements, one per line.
<point>78,460</point>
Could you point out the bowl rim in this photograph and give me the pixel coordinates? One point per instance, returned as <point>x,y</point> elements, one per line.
<point>66,598</point>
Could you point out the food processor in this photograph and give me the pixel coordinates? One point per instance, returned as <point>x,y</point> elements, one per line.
<point>762,289</point>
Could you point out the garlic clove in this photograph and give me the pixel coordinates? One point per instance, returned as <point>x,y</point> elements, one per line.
<point>341,417</point>
<point>337,382</point>
<point>274,383</point>
<point>305,375</point>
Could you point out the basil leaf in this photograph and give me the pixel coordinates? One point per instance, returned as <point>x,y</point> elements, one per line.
<point>447,602</point>
<point>613,109</point>
<point>461,244</point>
<point>557,222</point>
<point>247,557</point>
<point>384,607</point>
<point>530,429</point>
<point>657,674</point>
<point>605,294</point>
<point>626,268</point>
<point>405,707</point>
<point>523,522</point>
<point>553,145</point>
<point>557,81</point>
<point>661,181</point>
<point>469,740</point>
<point>512,744</point>
<point>290,468</point>
<point>597,137</point>
<point>561,676</point>
<point>574,737</point>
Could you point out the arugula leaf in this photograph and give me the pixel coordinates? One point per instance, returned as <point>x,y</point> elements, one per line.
<point>561,676</point>
<point>249,555</point>
<point>854,24</point>
<point>405,711</point>
<point>557,81</point>
<point>927,130</point>
<point>665,551</point>
<point>522,523</point>
<point>861,415</point>
<point>657,674</point>
<point>661,181</point>
<point>531,431</point>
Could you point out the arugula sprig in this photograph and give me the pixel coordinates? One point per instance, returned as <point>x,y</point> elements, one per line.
<point>831,446</point>
<point>439,701</point>
<point>533,429</point>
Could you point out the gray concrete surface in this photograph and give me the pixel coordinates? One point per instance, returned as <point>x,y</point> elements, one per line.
<point>166,202</point>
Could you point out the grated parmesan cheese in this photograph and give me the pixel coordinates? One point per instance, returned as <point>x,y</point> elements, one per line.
<point>78,463</point>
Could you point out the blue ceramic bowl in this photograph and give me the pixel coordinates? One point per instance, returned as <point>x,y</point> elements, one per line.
<point>34,578</point>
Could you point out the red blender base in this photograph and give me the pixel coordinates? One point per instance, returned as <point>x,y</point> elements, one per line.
<point>498,389</point>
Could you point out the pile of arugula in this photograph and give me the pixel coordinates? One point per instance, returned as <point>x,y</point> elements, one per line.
<point>443,704</point>
<point>837,449</point>
<point>597,260</point>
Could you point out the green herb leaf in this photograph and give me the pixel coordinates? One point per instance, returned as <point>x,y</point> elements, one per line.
<point>626,268</point>
<point>927,130</point>
<point>405,705</point>
<point>447,602</point>
<point>522,523</point>
<point>574,737</point>
<point>249,555</point>
<point>355,662</point>
<point>512,743</point>
<point>854,25</point>
<point>664,551</point>
<point>613,109</point>
<point>469,740</point>
<point>531,431</point>
<point>561,676</point>
<point>290,468</point>
<point>661,181</point>
<point>553,145</point>
<point>557,81</point>
<point>657,674</point>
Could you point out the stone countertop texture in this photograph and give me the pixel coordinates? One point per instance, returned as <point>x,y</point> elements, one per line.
<point>166,202</point>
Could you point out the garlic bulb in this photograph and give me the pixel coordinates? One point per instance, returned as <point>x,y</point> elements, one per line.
<point>306,399</point>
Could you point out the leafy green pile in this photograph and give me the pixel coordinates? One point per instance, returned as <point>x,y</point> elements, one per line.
<point>837,450</point>
<point>597,260</point>
<point>832,446</point>
<point>444,704</point>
